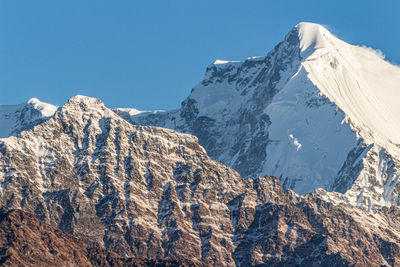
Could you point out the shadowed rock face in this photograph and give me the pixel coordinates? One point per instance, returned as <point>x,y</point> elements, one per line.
<point>154,193</point>
<point>26,241</point>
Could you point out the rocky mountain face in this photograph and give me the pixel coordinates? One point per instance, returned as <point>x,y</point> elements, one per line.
<point>26,241</point>
<point>315,112</point>
<point>154,193</point>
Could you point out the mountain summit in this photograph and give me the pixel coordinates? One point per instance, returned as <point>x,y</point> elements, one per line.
<point>312,36</point>
<point>315,111</point>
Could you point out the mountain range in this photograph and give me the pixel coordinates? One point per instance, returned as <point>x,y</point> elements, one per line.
<point>310,135</point>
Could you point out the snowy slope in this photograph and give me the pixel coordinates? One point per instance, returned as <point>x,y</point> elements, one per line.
<point>316,112</point>
<point>361,83</point>
<point>367,89</point>
<point>16,118</point>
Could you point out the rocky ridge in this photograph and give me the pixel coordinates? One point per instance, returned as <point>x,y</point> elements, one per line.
<point>155,193</point>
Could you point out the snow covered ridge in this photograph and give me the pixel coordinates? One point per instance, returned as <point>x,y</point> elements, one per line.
<point>16,118</point>
<point>315,111</point>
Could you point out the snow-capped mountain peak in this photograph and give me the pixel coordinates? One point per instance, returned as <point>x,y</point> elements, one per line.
<point>361,83</point>
<point>357,79</point>
<point>17,118</point>
<point>315,111</point>
<point>312,36</point>
<point>84,103</point>
<point>33,100</point>
<point>45,109</point>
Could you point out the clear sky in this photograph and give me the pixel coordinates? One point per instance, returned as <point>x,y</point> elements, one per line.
<point>149,54</point>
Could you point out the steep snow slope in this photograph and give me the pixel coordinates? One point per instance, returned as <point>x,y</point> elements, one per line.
<point>367,89</point>
<point>16,118</point>
<point>316,112</point>
<point>361,83</point>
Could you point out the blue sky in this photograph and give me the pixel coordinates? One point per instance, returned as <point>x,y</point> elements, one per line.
<point>149,54</point>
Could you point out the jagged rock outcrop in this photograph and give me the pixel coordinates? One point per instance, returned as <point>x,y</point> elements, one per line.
<point>154,193</point>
